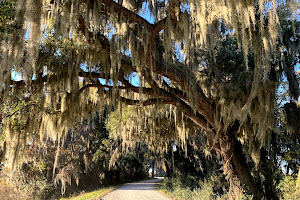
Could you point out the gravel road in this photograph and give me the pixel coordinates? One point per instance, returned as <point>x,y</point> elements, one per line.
<point>143,190</point>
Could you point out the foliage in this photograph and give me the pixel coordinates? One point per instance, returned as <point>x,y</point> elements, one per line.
<point>7,13</point>
<point>86,151</point>
<point>187,188</point>
<point>289,188</point>
<point>27,184</point>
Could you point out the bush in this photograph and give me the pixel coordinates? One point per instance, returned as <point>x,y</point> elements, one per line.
<point>26,183</point>
<point>289,189</point>
<point>188,187</point>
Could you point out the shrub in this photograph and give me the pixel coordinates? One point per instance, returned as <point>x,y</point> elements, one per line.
<point>189,188</point>
<point>288,188</point>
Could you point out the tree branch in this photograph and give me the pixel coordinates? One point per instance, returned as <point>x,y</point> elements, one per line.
<point>120,10</point>
<point>143,102</point>
<point>144,90</point>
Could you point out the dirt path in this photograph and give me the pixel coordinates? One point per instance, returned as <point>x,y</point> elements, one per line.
<point>143,190</point>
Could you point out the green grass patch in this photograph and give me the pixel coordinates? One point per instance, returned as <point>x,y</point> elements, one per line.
<point>93,195</point>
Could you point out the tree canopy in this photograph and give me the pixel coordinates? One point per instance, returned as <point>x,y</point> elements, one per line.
<point>209,67</point>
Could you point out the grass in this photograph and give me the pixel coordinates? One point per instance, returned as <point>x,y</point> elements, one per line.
<point>175,195</point>
<point>93,195</point>
<point>176,188</point>
<point>161,188</point>
<point>183,188</point>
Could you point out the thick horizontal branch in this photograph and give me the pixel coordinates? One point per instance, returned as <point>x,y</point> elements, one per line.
<point>99,86</point>
<point>92,75</point>
<point>147,102</point>
<point>179,93</point>
<point>144,90</point>
<point>51,78</point>
<point>37,81</point>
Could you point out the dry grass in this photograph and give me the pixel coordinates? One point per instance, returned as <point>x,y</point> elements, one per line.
<point>9,192</point>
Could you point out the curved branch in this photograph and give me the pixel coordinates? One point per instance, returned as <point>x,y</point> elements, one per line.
<point>176,91</point>
<point>143,102</point>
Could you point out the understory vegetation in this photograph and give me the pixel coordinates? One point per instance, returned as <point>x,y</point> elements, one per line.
<point>84,165</point>
<point>191,188</point>
<point>289,187</point>
<point>185,188</point>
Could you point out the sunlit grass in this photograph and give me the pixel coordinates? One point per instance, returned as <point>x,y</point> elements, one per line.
<point>92,195</point>
<point>181,188</point>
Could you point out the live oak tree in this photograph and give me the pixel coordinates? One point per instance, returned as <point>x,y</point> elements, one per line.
<point>213,65</point>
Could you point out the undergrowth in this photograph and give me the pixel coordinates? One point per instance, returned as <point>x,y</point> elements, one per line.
<point>189,188</point>
<point>290,188</point>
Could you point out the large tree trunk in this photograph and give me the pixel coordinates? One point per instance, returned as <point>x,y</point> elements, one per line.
<point>236,168</point>
<point>268,170</point>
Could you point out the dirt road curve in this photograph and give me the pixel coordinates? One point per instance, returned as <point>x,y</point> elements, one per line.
<point>143,190</point>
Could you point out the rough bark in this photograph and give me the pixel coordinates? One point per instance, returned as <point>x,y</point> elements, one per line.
<point>243,173</point>
<point>268,170</point>
<point>235,166</point>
